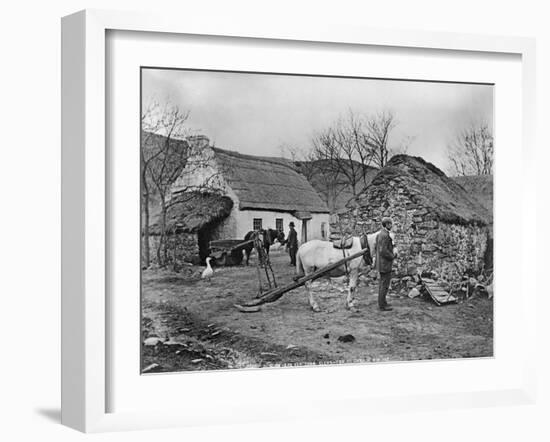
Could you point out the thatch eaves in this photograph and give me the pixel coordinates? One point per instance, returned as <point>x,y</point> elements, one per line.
<point>190,211</point>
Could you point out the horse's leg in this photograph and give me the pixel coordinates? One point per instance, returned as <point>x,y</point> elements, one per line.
<point>311,298</point>
<point>248,255</point>
<point>310,295</point>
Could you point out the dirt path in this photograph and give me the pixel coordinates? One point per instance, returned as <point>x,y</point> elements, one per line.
<point>207,332</point>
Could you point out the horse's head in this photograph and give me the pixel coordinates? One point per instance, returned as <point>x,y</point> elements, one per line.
<point>270,235</point>
<point>262,236</point>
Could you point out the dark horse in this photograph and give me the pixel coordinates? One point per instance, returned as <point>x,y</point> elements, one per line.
<point>267,237</point>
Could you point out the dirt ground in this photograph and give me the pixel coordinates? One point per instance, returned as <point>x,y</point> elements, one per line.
<point>200,328</point>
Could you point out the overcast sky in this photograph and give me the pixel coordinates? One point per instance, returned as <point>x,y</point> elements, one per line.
<point>258,113</point>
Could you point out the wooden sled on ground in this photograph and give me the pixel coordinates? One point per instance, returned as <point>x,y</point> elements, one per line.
<point>436,292</point>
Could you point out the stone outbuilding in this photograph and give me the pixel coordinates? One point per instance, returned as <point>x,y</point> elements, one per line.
<point>438,226</point>
<point>189,219</point>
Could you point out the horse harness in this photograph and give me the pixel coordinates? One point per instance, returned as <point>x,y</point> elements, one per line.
<point>346,242</point>
<point>367,257</point>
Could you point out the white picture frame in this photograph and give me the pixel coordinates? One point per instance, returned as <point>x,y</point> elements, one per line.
<point>85,233</point>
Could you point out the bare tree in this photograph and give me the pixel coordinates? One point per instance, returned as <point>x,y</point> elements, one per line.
<point>150,124</point>
<point>324,170</point>
<point>343,152</point>
<point>167,150</point>
<point>349,137</point>
<point>379,128</point>
<point>164,154</point>
<point>471,151</point>
<point>145,158</point>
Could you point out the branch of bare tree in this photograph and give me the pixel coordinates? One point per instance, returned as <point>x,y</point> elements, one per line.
<point>471,151</point>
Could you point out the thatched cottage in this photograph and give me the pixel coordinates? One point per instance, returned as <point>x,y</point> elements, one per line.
<point>438,225</point>
<point>264,192</point>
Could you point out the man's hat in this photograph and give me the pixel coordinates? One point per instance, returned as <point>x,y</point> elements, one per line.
<point>386,220</point>
<point>291,224</point>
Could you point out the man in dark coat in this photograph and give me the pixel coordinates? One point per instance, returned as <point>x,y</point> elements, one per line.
<point>385,254</point>
<point>292,243</point>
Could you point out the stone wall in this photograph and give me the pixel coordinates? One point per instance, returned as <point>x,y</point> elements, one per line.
<point>425,243</point>
<point>182,247</point>
<point>227,227</point>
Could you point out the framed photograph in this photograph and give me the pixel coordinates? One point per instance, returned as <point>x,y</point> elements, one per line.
<point>260,221</point>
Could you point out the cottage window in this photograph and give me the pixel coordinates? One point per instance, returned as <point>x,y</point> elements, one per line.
<point>279,224</point>
<point>324,230</point>
<point>257,224</point>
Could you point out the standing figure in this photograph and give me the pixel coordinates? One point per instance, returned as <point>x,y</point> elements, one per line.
<point>385,254</point>
<point>292,243</point>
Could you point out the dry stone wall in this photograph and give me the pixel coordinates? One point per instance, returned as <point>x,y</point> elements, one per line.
<point>425,242</point>
<point>182,247</point>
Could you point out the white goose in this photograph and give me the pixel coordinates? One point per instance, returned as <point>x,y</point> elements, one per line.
<point>207,272</point>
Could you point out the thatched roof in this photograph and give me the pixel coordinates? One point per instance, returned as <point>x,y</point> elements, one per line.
<point>268,183</point>
<point>480,187</point>
<point>151,141</point>
<point>189,212</point>
<point>426,186</point>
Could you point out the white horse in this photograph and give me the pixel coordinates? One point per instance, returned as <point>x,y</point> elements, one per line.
<point>316,254</point>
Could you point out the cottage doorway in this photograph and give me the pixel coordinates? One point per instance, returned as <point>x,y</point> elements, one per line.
<point>304,230</point>
<point>204,238</point>
<point>304,217</point>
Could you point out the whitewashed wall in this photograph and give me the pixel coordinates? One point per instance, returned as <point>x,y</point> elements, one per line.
<point>202,171</point>
<point>244,222</point>
<point>240,222</point>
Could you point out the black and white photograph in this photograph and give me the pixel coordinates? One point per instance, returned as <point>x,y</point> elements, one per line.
<point>296,220</point>
<point>242,221</point>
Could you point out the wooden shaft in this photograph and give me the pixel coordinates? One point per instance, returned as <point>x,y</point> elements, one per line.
<point>241,244</point>
<point>272,274</point>
<point>273,295</point>
<point>260,289</point>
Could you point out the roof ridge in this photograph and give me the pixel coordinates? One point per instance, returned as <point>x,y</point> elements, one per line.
<point>272,160</point>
